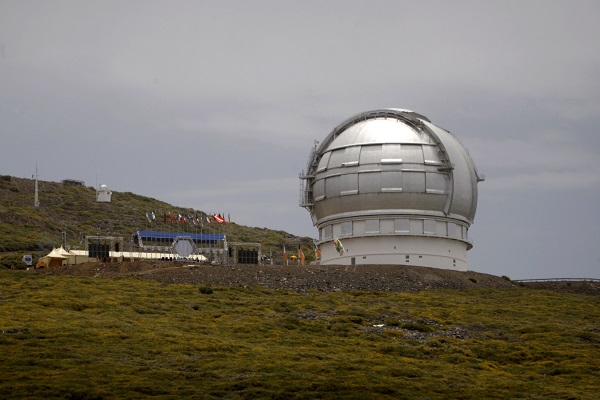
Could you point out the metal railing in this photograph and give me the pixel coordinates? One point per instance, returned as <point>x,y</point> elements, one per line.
<point>558,280</point>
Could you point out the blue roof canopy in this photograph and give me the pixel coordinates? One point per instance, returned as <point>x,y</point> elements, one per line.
<point>170,236</point>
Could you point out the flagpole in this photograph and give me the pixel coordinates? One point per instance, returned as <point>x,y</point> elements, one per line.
<point>210,242</point>
<point>222,229</point>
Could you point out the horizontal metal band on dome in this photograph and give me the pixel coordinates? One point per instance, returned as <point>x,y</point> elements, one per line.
<point>385,214</point>
<point>468,242</point>
<point>362,144</point>
<point>459,232</point>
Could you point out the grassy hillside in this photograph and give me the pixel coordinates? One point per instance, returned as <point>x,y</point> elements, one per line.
<point>126,338</point>
<point>73,210</point>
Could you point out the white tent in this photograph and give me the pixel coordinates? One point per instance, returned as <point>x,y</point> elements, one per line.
<point>53,259</point>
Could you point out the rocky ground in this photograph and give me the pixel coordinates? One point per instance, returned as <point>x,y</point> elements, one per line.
<point>313,277</point>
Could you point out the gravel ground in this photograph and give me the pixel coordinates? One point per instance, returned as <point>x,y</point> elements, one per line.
<point>341,278</point>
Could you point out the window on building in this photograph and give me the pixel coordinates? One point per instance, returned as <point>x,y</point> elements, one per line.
<point>391,154</point>
<point>323,162</point>
<point>413,181</point>
<point>391,181</point>
<point>370,154</point>
<point>369,182</point>
<point>319,189</point>
<point>327,232</point>
<point>337,156</point>
<point>347,228</point>
<point>430,226</point>
<point>431,155</point>
<point>436,183</point>
<point>416,226</point>
<point>402,225</point>
<point>372,226</point>
<point>348,156</point>
<point>412,154</point>
<point>333,186</point>
<point>351,156</point>
<point>349,184</point>
<point>451,229</point>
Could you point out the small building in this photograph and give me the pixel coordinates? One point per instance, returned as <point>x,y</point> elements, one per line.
<point>103,195</point>
<point>73,182</point>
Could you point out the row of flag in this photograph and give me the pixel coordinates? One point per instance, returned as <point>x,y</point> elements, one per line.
<point>198,219</point>
<point>192,219</point>
<point>301,257</point>
<point>337,243</point>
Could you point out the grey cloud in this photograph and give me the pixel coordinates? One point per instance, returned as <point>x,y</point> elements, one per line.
<point>217,105</point>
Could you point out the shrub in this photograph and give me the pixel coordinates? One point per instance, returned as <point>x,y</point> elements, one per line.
<point>12,261</point>
<point>206,290</point>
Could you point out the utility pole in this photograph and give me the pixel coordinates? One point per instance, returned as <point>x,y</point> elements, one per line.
<point>36,201</point>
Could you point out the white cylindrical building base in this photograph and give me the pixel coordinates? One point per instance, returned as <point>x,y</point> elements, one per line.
<point>398,250</point>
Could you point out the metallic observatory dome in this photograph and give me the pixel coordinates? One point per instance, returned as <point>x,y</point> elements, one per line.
<point>391,174</point>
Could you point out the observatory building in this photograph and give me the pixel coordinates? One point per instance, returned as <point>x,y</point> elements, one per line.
<point>103,195</point>
<point>393,188</point>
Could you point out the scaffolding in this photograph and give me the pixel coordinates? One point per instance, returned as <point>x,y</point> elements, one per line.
<point>245,253</point>
<point>104,248</point>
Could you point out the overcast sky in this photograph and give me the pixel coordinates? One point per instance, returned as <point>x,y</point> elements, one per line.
<point>216,105</point>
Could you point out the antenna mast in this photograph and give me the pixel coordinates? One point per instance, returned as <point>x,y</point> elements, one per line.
<point>36,201</point>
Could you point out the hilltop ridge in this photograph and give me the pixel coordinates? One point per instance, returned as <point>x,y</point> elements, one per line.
<point>72,209</point>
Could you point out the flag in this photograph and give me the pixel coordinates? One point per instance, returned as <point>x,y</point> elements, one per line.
<point>338,246</point>
<point>284,255</point>
<point>301,255</point>
<point>228,218</point>
<point>164,217</point>
<point>148,217</point>
<point>317,250</point>
<point>218,218</point>
<point>153,216</point>
<point>207,219</point>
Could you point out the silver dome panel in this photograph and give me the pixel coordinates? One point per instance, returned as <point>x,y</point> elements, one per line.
<point>392,161</point>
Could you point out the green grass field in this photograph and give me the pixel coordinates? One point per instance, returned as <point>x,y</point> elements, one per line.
<point>92,338</point>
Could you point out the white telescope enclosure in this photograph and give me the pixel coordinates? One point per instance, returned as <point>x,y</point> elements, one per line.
<point>394,189</point>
